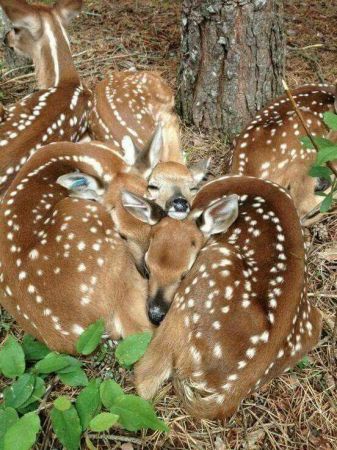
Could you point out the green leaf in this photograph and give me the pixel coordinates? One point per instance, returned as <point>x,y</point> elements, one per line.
<point>20,391</point>
<point>12,358</point>
<point>319,141</point>
<point>75,378</point>
<point>39,390</point>
<point>304,363</point>
<point>320,172</point>
<point>103,422</point>
<point>90,338</point>
<point>109,391</point>
<point>326,203</point>
<point>136,413</point>
<point>88,403</point>
<point>331,120</point>
<point>67,427</point>
<point>53,362</point>
<point>62,403</point>
<point>8,417</point>
<point>131,349</point>
<point>326,154</point>
<point>22,435</point>
<point>34,350</point>
<point>73,364</point>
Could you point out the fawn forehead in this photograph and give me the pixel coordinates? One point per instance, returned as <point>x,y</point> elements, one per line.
<point>173,240</point>
<point>171,171</point>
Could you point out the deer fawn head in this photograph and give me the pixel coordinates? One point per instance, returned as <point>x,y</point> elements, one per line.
<point>171,184</point>
<point>38,32</point>
<point>165,264</point>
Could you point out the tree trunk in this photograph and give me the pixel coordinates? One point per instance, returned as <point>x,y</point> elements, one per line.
<point>232,63</point>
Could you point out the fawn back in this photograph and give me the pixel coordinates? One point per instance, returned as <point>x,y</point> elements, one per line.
<point>270,148</point>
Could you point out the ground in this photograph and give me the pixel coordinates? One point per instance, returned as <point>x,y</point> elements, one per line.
<point>297,411</point>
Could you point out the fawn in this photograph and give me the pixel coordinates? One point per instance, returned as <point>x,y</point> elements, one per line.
<point>50,239</point>
<point>240,315</point>
<point>270,148</point>
<point>59,110</point>
<point>134,111</point>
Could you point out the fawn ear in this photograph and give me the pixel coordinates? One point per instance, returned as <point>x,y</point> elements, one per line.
<point>81,185</point>
<point>219,215</point>
<point>22,15</point>
<point>68,9</point>
<point>142,209</point>
<point>199,170</point>
<point>150,157</point>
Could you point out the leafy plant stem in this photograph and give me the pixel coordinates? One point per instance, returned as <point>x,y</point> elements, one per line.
<point>44,401</point>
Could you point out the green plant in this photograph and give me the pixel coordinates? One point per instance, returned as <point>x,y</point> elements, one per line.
<point>99,405</point>
<point>327,152</point>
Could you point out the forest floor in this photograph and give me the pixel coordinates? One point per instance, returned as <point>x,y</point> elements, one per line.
<point>297,411</point>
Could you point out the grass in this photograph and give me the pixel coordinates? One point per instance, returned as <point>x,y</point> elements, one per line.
<point>297,411</point>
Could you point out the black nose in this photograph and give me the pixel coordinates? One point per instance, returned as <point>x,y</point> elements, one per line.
<point>322,184</point>
<point>157,308</point>
<point>180,204</point>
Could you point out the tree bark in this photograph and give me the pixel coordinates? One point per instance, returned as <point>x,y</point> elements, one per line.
<point>233,54</point>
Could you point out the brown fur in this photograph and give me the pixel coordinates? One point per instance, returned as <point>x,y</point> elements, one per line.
<point>151,97</point>
<point>289,162</point>
<point>59,110</point>
<point>224,335</point>
<point>62,264</point>
<point>138,106</point>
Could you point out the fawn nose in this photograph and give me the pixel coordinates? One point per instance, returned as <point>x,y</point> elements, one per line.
<point>177,208</point>
<point>157,308</point>
<point>322,184</point>
<point>180,204</point>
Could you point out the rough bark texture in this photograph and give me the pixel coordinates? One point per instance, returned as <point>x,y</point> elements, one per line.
<point>232,61</point>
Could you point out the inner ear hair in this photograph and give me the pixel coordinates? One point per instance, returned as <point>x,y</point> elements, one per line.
<point>68,9</point>
<point>141,208</point>
<point>200,170</point>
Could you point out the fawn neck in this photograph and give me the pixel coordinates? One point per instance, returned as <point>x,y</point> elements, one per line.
<point>53,59</point>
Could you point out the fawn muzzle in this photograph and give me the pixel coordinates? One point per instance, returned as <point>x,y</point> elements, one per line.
<point>157,308</point>
<point>178,207</point>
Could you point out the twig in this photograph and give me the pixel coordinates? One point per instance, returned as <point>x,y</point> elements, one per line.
<point>307,47</point>
<point>299,115</point>
<point>43,404</point>
<point>334,332</point>
<point>115,437</point>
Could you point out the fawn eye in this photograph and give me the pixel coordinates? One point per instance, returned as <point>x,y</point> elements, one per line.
<point>183,276</point>
<point>16,30</point>
<point>153,187</point>
<point>194,189</point>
